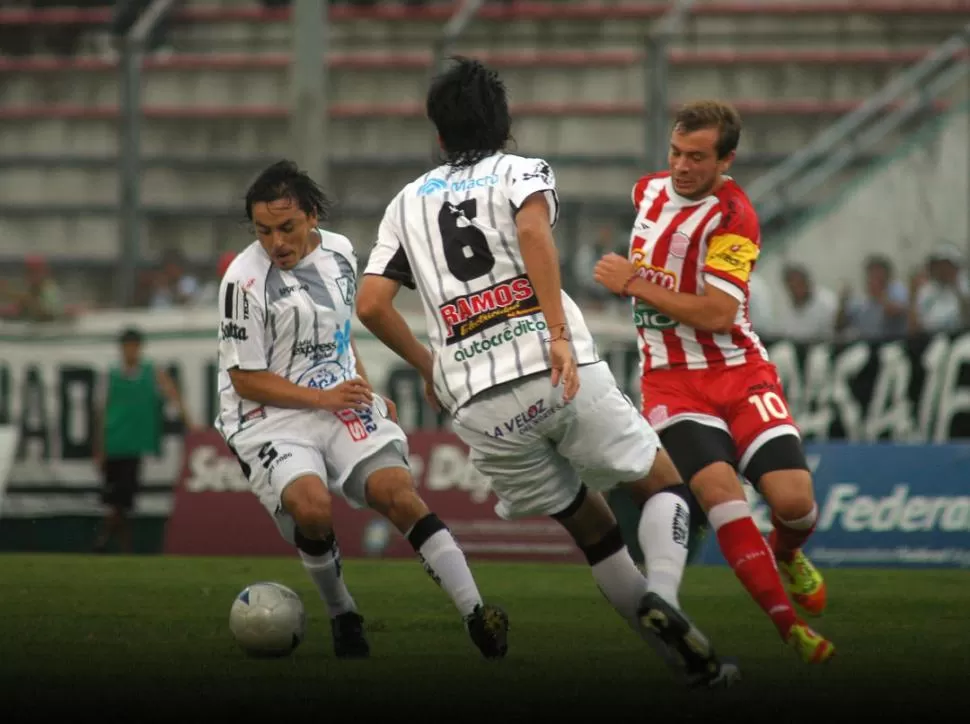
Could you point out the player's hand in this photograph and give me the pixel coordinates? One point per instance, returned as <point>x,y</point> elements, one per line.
<point>564,368</point>
<point>613,272</point>
<point>353,394</point>
<point>431,396</point>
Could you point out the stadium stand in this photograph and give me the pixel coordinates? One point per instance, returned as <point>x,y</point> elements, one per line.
<point>215,104</point>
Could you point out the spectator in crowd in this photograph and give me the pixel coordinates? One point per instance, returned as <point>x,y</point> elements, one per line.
<point>940,293</point>
<point>41,300</point>
<point>129,426</point>
<point>879,313</point>
<point>174,286</point>
<point>808,312</point>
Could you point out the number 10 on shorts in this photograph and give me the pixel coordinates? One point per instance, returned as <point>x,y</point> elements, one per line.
<point>770,406</point>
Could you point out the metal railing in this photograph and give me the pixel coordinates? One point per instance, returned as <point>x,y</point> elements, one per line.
<point>129,157</point>
<point>657,95</point>
<point>776,192</point>
<point>445,42</point>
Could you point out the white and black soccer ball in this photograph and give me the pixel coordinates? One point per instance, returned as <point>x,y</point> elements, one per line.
<point>268,619</point>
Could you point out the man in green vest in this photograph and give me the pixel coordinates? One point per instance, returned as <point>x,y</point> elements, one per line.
<point>129,427</point>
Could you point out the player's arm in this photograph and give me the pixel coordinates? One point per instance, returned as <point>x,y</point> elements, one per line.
<point>712,311</point>
<point>387,269</point>
<point>242,353</point>
<point>541,258</point>
<point>171,392</point>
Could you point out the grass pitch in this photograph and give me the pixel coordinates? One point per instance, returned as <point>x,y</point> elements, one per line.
<point>147,638</point>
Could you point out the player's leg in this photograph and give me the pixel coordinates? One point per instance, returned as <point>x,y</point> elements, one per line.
<point>774,462</point>
<point>117,496</point>
<point>608,442</point>
<point>289,481</point>
<point>367,456</point>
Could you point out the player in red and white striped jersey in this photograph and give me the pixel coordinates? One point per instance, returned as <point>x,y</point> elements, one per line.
<point>708,386</point>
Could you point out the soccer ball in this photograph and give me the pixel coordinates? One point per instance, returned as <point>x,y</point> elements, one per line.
<point>268,619</point>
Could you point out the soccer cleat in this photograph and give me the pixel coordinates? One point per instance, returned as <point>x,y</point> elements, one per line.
<point>488,627</point>
<point>812,647</point>
<point>701,665</point>
<point>805,583</point>
<point>348,636</point>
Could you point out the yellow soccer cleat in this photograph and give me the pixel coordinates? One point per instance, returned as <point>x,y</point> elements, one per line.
<point>812,647</point>
<point>805,584</point>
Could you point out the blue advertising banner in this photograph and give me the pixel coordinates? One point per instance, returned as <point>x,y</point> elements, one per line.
<point>883,504</point>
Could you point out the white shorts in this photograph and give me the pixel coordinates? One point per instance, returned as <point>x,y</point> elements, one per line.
<point>342,449</point>
<point>536,452</point>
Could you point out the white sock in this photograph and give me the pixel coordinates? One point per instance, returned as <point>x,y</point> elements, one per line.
<point>446,564</point>
<point>621,582</point>
<point>663,532</point>
<point>327,575</point>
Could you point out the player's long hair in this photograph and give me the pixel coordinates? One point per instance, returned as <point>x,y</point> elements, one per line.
<point>285,180</point>
<point>468,106</point>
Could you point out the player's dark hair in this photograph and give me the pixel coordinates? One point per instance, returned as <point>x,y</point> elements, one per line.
<point>285,180</point>
<point>131,334</point>
<point>468,106</point>
<point>712,114</point>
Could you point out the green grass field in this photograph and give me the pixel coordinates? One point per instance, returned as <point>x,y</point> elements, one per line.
<point>149,634</point>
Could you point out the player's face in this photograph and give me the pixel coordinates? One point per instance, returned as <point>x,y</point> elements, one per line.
<point>695,169</point>
<point>131,353</point>
<point>284,230</point>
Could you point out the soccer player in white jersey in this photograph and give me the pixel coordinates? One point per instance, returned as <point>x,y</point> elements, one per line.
<point>512,360</point>
<point>298,412</point>
<point>707,383</point>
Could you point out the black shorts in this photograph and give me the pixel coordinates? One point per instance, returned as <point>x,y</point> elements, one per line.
<point>121,480</point>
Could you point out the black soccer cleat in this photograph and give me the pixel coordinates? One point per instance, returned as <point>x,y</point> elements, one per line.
<point>488,627</point>
<point>348,636</point>
<point>701,665</point>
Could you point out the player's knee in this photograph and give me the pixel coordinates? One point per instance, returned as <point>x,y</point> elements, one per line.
<point>588,519</point>
<point>788,493</point>
<point>391,493</point>
<point>663,475</point>
<point>308,502</point>
<point>716,484</point>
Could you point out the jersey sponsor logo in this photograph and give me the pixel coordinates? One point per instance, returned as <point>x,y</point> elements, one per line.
<point>473,313</point>
<point>323,376</point>
<point>658,415</point>
<point>434,185</point>
<point>316,350</point>
<point>287,291</point>
<point>645,317</point>
<point>527,419</point>
<point>230,330</point>
<point>359,423</point>
<point>653,274</point>
<point>481,346</point>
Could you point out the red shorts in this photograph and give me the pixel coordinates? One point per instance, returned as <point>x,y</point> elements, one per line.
<point>746,401</point>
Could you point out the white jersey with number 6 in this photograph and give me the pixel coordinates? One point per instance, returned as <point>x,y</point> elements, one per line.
<point>451,234</point>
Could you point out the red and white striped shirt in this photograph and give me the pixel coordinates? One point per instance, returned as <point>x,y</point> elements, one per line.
<point>683,245</point>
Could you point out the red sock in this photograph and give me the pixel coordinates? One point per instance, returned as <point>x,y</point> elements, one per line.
<point>748,554</point>
<point>784,541</point>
